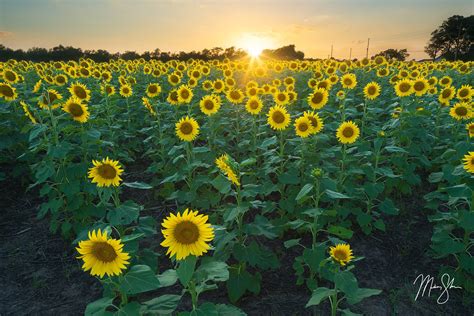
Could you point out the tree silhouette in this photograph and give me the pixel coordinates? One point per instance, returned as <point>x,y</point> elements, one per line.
<point>398,54</point>
<point>453,39</point>
<point>285,53</point>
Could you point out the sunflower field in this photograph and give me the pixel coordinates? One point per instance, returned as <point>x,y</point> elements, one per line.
<point>173,180</point>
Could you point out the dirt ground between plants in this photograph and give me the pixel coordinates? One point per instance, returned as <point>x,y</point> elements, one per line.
<point>40,275</point>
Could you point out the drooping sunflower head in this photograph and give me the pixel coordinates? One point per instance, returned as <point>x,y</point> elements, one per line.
<point>348,132</point>
<point>229,168</point>
<point>49,98</point>
<point>469,162</point>
<point>341,254</point>
<point>126,90</point>
<point>153,89</point>
<point>7,91</point>
<point>316,122</point>
<point>372,90</point>
<point>185,94</point>
<point>303,127</point>
<point>404,87</point>
<point>78,111</point>
<point>37,86</point>
<point>187,129</point>
<point>349,81</point>
<point>102,255</point>
<point>186,234</point>
<point>278,118</point>
<point>148,106</point>
<point>106,172</point>
<point>27,111</point>
<point>461,111</point>
<point>80,91</point>
<point>318,98</point>
<point>235,96</point>
<point>254,105</point>
<point>210,104</point>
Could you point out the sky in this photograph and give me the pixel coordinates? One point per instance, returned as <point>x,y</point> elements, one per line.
<point>185,25</point>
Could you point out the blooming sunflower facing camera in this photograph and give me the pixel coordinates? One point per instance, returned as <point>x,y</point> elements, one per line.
<point>303,127</point>
<point>102,255</point>
<point>80,91</point>
<point>318,98</point>
<point>210,104</point>
<point>106,173</point>
<point>278,118</point>
<point>186,234</point>
<point>341,253</point>
<point>254,105</point>
<point>372,90</point>
<point>461,111</point>
<point>316,122</point>
<point>348,132</point>
<point>78,111</point>
<point>187,129</point>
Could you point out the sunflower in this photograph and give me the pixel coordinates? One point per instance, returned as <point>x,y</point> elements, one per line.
<point>278,118</point>
<point>469,162</point>
<point>152,90</point>
<point>372,90</point>
<point>10,76</point>
<point>341,95</point>
<point>186,234</point>
<point>303,127</point>
<point>404,87</point>
<point>218,86</point>
<point>148,106</point>
<point>341,253</point>
<point>446,95</point>
<point>235,96</point>
<point>28,112</point>
<point>49,98</point>
<point>281,98</point>
<point>445,81</point>
<point>80,91</point>
<point>173,97</point>
<point>78,111</point>
<point>347,133</point>
<point>254,105</point>
<point>60,80</point>
<point>187,129</point>
<point>37,86</point>
<point>349,81</point>
<point>174,79</point>
<point>102,255</point>
<point>420,86</point>
<point>470,129</point>
<point>318,98</point>
<point>106,172</point>
<point>107,89</point>
<point>185,94</point>
<point>461,111</point>
<point>316,122</point>
<point>7,91</point>
<point>225,165</point>
<point>210,104</point>
<point>126,90</point>
<point>465,92</point>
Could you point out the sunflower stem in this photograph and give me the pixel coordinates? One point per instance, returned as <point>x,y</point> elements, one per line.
<point>282,150</point>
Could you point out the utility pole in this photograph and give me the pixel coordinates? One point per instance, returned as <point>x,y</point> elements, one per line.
<point>331,51</point>
<point>367,53</point>
<point>350,54</point>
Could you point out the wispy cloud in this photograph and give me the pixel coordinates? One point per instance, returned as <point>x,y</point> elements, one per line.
<point>4,34</point>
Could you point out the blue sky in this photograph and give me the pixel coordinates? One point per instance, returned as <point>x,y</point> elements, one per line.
<point>174,25</point>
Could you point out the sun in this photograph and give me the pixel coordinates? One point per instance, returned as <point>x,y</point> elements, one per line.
<point>254,44</point>
<point>254,51</point>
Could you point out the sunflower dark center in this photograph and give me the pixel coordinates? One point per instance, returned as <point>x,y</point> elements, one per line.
<point>184,94</point>
<point>186,232</point>
<point>104,252</point>
<point>174,96</point>
<point>235,95</point>
<point>461,111</point>
<point>152,89</point>
<point>186,128</point>
<point>76,109</point>
<point>404,87</point>
<point>80,92</point>
<point>253,105</point>
<point>278,117</point>
<point>52,97</point>
<point>371,90</point>
<point>208,104</point>
<point>6,91</point>
<point>107,172</point>
<point>463,93</point>
<point>317,98</point>
<point>347,82</point>
<point>281,97</point>
<point>314,121</point>
<point>10,76</point>
<point>419,86</point>
<point>446,93</point>
<point>303,127</point>
<point>348,132</point>
<point>340,254</point>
